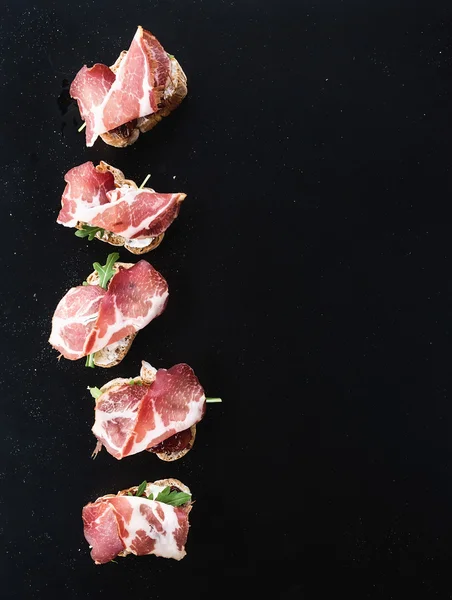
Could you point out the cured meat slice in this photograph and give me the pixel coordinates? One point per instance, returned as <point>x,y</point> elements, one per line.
<point>86,189</point>
<point>101,197</point>
<point>125,524</point>
<point>89,318</point>
<point>74,319</point>
<point>132,418</point>
<point>90,89</point>
<point>135,213</point>
<point>134,298</point>
<point>101,531</point>
<point>139,84</point>
<point>108,100</point>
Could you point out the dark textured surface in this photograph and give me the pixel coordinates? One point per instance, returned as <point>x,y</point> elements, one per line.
<point>310,287</point>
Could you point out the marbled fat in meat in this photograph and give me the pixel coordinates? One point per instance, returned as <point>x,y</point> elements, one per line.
<point>133,418</point>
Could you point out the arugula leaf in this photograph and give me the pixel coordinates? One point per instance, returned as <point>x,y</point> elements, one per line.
<point>166,496</point>
<point>141,488</point>
<point>172,498</point>
<point>89,232</point>
<point>90,361</point>
<point>106,271</point>
<point>95,392</point>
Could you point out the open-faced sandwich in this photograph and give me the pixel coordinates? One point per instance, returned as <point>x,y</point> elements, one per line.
<point>100,318</point>
<point>119,102</point>
<point>148,519</point>
<point>156,411</point>
<point>99,202</point>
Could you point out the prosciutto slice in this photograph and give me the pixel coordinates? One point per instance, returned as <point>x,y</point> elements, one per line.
<point>74,319</point>
<point>90,88</point>
<point>107,99</point>
<point>89,318</point>
<point>132,418</point>
<point>101,197</point>
<point>86,189</point>
<point>122,524</point>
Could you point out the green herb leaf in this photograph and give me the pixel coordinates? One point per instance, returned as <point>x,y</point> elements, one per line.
<point>134,382</point>
<point>213,400</point>
<point>89,232</point>
<point>85,283</point>
<point>172,498</point>
<point>90,361</point>
<point>106,271</point>
<point>141,488</point>
<point>95,392</point>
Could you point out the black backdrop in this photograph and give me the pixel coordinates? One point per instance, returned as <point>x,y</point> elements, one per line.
<point>310,287</point>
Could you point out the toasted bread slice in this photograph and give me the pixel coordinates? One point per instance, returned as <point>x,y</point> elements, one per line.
<point>112,355</point>
<point>174,93</point>
<point>113,238</point>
